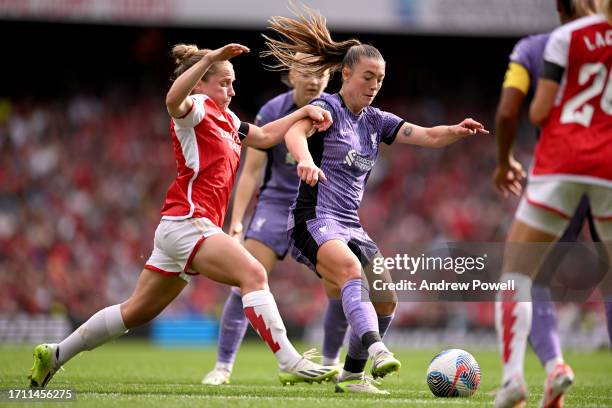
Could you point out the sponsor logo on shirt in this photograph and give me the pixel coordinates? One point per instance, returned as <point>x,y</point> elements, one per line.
<point>361,162</point>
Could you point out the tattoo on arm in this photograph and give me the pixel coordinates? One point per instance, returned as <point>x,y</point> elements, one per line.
<point>408,131</point>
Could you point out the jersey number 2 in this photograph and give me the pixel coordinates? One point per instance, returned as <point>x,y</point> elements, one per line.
<point>576,110</point>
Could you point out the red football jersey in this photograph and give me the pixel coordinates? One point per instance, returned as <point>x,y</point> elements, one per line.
<point>576,139</point>
<point>207,149</point>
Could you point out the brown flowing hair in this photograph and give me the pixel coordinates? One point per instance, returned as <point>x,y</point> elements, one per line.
<point>307,33</point>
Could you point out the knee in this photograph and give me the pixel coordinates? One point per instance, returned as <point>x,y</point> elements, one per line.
<point>254,278</point>
<point>385,308</point>
<point>347,270</point>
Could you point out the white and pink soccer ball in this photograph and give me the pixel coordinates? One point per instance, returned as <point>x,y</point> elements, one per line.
<point>453,373</point>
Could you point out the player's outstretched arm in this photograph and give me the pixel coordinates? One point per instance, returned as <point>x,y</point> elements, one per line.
<point>177,101</point>
<point>298,147</point>
<point>438,136</point>
<point>272,133</point>
<point>250,177</point>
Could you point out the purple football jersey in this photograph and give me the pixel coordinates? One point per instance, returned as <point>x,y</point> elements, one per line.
<point>280,178</point>
<point>529,52</point>
<point>346,153</point>
<point>280,182</point>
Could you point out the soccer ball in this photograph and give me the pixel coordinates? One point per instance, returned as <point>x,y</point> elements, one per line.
<point>453,373</point>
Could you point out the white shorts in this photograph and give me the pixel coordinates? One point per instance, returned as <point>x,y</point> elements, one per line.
<point>176,243</point>
<point>549,204</point>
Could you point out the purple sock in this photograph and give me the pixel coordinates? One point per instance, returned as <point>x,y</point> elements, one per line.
<point>360,315</point>
<point>232,328</point>
<point>608,307</point>
<point>356,350</point>
<point>335,326</point>
<point>544,336</point>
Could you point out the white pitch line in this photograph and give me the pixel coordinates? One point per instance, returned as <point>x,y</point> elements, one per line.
<point>331,398</point>
<point>338,398</point>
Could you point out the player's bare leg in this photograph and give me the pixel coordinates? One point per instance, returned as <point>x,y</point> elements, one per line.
<point>233,323</point>
<point>337,264</point>
<point>224,260</point>
<point>513,310</point>
<point>352,378</point>
<point>153,292</point>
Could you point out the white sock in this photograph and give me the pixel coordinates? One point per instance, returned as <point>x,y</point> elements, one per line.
<point>376,347</point>
<point>327,361</point>
<point>262,312</point>
<point>550,364</point>
<point>347,375</point>
<point>105,325</point>
<point>513,322</point>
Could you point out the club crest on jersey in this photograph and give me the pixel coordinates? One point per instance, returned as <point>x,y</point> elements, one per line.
<point>230,140</point>
<point>361,162</point>
<point>374,139</point>
<point>258,223</point>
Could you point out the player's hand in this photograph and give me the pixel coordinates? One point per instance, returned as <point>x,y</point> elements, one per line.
<point>227,52</point>
<point>235,230</point>
<point>309,173</point>
<point>321,118</point>
<point>508,177</point>
<point>468,127</point>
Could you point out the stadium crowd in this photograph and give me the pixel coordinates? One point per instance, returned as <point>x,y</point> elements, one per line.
<point>82,180</point>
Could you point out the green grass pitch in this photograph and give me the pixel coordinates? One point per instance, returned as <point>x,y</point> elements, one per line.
<point>132,373</point>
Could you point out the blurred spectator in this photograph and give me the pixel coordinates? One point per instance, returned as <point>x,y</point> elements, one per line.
<point>82,182</point>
